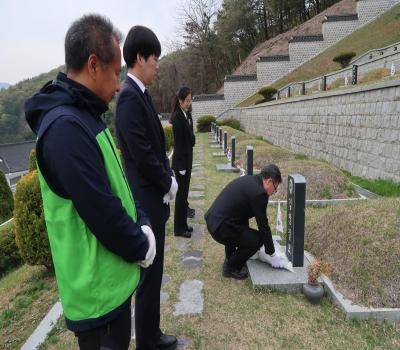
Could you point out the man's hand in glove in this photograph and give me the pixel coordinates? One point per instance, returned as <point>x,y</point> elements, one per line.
<point>151,253</point>
<point>278,260</point>
<point>173,189</point>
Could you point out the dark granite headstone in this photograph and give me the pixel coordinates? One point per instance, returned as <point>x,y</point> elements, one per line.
<point>296,201</point>
<point>233,150</point>
<point>323,88</point>
<point>249,160</point>
<point>354,75</point>
<point>225,140</point>
<point>220,137</point>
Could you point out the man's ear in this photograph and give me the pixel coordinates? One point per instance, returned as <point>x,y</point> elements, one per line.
<point>139,58</point>
<point>93,65</point>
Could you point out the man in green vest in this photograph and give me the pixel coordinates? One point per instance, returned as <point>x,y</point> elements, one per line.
<point>98,234</point>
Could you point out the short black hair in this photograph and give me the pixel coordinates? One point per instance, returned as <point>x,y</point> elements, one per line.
<point>272,172</point>
<point>90,34</point>
<point>140,40</point>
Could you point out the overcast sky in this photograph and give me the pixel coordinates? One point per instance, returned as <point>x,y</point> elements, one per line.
<point>32,31</point>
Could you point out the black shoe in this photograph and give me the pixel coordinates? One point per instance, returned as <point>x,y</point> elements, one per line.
<point>191,213</point>
<point>185,234</point>
<point>231,272</point>
<point>167,342</point>
<point>189,228</point>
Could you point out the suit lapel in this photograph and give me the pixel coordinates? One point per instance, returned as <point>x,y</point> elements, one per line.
<point>151,111</point>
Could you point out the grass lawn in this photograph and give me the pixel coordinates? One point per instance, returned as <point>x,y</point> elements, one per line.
<point>237,316</point>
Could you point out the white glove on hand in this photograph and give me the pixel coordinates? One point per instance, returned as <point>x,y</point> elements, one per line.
<point>278,260</point>
<point>151,253</point>
<point>182,172</point>
<point>173,189</point>
<point>166,198</point>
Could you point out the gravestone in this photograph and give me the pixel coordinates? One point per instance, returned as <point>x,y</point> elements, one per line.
<point>249,160</point>
<point>225,140</point>
<point>233,150</point>
<point>296,201</point>
<point>229,167</point>
<point>354,75</point>
<point>220,137</point>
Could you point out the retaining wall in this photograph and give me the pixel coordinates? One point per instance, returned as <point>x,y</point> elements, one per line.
<point>357,129</point>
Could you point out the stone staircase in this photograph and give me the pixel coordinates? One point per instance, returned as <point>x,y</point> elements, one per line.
<point>302,48</point>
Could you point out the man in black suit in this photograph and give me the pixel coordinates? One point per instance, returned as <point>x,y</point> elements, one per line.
<point>141,139</point>
<point>228,220</point>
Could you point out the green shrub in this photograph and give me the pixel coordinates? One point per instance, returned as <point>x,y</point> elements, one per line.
<point>232,122</point>
<point>30,229</point>
<point>9,255</point>
<point>344,58</point>
<point>169,137</point>
<point>6,199</point>
<point>204,123</point>
<point>32,160</point>
<point>267,92</point>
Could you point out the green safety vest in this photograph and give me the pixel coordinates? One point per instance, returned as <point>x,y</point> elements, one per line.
<point>92,281</point>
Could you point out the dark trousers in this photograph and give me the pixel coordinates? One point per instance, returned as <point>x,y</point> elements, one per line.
<point>241,242</point>
<point>115,335</point>
<point>147,301</point>
<point>181,201</point>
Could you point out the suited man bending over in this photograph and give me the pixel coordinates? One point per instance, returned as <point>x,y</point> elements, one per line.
<point>228,220</point>
<point>141,139</point>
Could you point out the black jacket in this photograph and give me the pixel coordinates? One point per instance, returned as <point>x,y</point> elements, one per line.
<point>241,200</point>
<point>142,142</point>
<point>72,163</point>
<point>184,141</point>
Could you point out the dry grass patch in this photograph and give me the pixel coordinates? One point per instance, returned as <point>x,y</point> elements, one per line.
<point>324,181</point>
<point>27,294</point>
<point>264,153</point>
<point>240,135</point>
<point>361,242</point>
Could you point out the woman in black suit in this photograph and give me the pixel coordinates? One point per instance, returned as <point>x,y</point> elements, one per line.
<point>184,141</point>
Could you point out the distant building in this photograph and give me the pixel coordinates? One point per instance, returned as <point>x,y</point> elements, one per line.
<point>14,160</point>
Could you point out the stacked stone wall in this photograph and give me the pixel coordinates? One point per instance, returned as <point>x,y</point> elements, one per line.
<point>236,91</point>
<point>335,31</point>
<point>368,10</point>
<point>208,107</point>
<point>269,72</point>
<point>356,129</point>
<point>301,52</point>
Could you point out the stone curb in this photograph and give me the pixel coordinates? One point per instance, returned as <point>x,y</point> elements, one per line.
<point>321,202</point>
<point>44,328</point>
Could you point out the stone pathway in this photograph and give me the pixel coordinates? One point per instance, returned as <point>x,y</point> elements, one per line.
<point>190,291</point>
<point>192,258</point>
<point>191,298</point>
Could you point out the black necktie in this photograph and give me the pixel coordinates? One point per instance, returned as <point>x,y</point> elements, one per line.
<point>150,101</point>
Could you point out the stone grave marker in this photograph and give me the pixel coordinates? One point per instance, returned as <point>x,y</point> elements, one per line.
<point>296,201</point>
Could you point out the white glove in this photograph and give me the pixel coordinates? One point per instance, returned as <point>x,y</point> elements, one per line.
<point>151,253</point>
<point>170,196</point>
<point>173,189</point>
<point>182,172</point>
<point>278,260</point>
<point>166,198</point>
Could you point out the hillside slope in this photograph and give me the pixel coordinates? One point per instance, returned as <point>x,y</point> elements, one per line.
<point>280,45</point>
<point>384,31</point>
